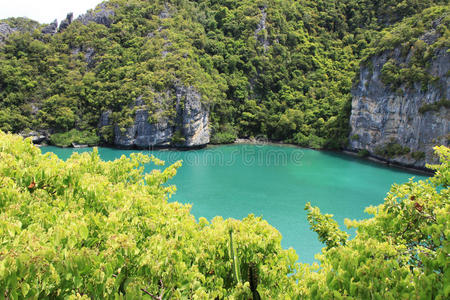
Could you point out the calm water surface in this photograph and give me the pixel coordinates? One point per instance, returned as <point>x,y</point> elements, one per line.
<point>274,182</point>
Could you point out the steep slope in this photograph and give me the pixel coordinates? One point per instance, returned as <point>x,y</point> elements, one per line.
<point>279,68</point>
<point>400,107</point>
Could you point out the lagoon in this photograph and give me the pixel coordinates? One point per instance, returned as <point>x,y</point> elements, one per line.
<point>274,182</point>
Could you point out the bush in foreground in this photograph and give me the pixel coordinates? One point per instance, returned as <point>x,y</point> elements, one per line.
<point>85,228</point>
<point>94,229</point>
<point>400,253</point>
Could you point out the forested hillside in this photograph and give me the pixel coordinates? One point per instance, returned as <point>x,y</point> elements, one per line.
<point>400,105</point>
<point>89,229</point>
<point>279,68</point>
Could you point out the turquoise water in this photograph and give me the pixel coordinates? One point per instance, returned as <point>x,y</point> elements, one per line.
<point>274,182</point>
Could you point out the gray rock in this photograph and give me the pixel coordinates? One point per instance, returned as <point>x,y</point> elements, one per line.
<point>164,14</point>
<point>101,15</point>
<point>89,54</point>
<point>381,116</point>
<point>105,119</point>
<point>38,137</point>
<point>430,37</point>
<point>191,121</point>
<point>194,117</point>
<point>143,134</point>
<point>52,28</point>
<point>5,31</point>
<point>66,22</point>
<point>262,39</point>
<point>74,145</point>
<point>89,57</point>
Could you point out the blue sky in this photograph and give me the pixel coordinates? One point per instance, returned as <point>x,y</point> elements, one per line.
<point>44,11</point>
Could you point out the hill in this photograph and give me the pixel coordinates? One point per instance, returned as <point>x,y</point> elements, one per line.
<point>187,73</point>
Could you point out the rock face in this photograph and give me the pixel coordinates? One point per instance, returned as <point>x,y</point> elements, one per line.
<point>101,15</point>
<point>89,55</point>
<point>381,116</point>
<point>66,22</point>
<point>194,117</point>
<point>188,127</point>
<point>5,31</point>
<point>52,28</point>
<point>38,137</point>
<point>262,38</point>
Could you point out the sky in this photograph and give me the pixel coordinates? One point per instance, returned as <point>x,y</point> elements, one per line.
<point>45,11</point>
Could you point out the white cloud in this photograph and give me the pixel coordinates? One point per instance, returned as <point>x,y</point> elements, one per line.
<point>44,11</point>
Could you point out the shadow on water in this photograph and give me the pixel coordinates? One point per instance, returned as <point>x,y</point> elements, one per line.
<point>375,164</point>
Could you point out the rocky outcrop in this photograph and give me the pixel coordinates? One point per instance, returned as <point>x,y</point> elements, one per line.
<point>5,31</point>
<point>188,127</point>
<point>194,117</point>
<point>397,121</point>
<point>101,15</point>
<point>66,22</point>
<point>88,55</point>
<point>37,137</point>
<point>52,28</point>
<point>260,32</point>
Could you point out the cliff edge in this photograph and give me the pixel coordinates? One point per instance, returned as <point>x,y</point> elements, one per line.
<point>399,111</point>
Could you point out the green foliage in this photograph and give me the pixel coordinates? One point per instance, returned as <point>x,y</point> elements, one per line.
<point>223,138</point>
<point>94,229</point>
<point>434,106</point>
<point>178,138</point>
<point>22,24</point>
<point>12,121</point>
<point>327,228</point>
<point>417,50</point>
<point>105,230</point>
<point>66,139</point>
<point>418,155</point>
<point>402,252</point>
<point>290,81</point>
<point>225,135</point>
<point>107,134</point>
<point>391,150</point>
<point>363,153</point>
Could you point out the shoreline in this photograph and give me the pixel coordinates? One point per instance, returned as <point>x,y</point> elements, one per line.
<point>372,158</point>
<point>243,141</point>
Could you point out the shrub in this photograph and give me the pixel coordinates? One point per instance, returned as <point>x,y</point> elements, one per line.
<point>434,106</point>
<point>74,136</point>
<point>178,139</point>
<point>223,138</point>
<point>355,137</point>
<point>363,153</point>
<point>399,253</point>
<point>105,230</point>
<point>391,150</point>
<point>418,155</point>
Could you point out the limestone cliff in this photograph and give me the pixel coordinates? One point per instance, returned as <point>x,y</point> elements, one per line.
<point>5,31</point>
<point>101,15</point>
<point>187,127</point>
<point>401,124</point>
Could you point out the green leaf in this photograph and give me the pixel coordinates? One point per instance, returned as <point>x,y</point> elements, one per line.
<point>25,289</point>
<point>84,232</point>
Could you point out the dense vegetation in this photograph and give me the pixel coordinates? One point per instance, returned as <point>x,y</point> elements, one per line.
<point>88,229</point>
<point>279,68</point>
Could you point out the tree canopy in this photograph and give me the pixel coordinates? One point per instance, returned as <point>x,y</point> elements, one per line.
<point>279,68</point>
<point>85,228</point>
